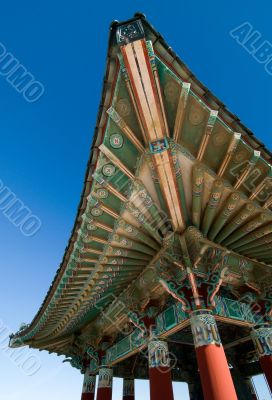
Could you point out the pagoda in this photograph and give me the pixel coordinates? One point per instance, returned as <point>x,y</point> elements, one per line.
<point>167,273</point>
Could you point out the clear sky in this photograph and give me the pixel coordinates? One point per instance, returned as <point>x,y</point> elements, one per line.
<point>45,144</point>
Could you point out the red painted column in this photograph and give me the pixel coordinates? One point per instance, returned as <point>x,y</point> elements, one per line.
<point>213,367</point>
<point>160,378</point>
<point>104,390</point>
<point>262,339</point>
<point>88,390</point>
<point>128,389</point>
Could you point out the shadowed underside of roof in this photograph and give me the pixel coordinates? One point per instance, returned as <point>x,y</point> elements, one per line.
<point>167,159</point>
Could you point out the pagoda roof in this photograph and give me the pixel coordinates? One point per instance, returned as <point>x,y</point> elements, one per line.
<point>219,204</point>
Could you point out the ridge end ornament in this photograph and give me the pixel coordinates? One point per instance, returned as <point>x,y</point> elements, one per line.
<point>130,32</point>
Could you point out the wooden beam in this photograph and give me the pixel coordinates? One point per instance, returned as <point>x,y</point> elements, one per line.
<point>181,110</point>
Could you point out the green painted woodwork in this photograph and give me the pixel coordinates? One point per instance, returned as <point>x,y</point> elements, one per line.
<point>218,145</point>
<point>120,245</point>
<point>171,318</point>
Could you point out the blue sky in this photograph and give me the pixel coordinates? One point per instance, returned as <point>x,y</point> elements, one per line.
<point>45,145</point>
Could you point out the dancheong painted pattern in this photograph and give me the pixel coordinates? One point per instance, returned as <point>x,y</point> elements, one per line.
<point>171,247</point>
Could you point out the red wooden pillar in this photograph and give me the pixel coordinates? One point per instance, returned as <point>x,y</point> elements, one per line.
<point>160,378</point>
<point>262,339</point>
<point>213,367</point>
<point>88,390</point>
<point>104,390</point>
<point>128,389</point>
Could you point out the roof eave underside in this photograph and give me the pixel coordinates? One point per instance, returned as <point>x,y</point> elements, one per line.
<point>164,50</point>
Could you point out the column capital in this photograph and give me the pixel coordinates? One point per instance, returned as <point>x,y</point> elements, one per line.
<point>213,367</point>
<point>204,328</point>
<point>158,353</point>
<point>160,376</point>
<point>262,339</point>
<point>105,377</point>
<point>89,382</point>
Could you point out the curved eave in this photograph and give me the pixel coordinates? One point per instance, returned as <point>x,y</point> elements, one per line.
<point>169,57</point>
<point>97,140</point>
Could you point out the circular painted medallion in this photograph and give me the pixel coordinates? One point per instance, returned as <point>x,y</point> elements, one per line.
<point>129,229</point>
<point>96,212</point>
<point>102,193</point>
<point>92,227</point>
<point>196,115</point>
<point>240,156</point>
<point>108,170</point>
<point>122,223</point>
<point>220,138</point>
<point>123,107</point>
<point>116,140</point>
<point>124,242</point>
